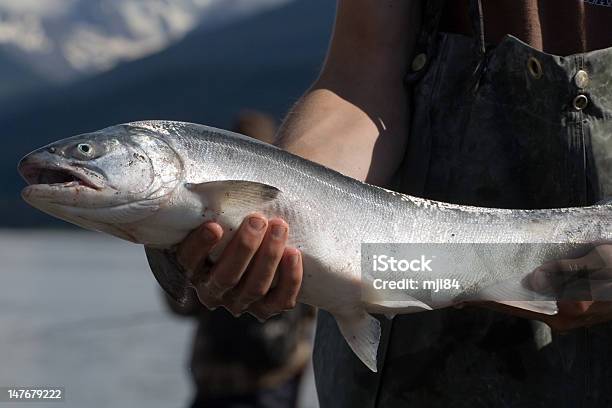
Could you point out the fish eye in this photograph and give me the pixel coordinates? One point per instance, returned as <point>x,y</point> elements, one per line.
<point>85,149</point>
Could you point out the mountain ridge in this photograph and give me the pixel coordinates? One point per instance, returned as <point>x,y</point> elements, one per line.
<point>77,38</point>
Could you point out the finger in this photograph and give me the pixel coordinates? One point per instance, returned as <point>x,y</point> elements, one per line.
<point>258,279</point>
<point>511,310</point>
<point>571,315</point>
<point>540,279</point>
<point>574,309</point>
<point>604,252</point>
<point>236,256</point>
<point>207,297</point>
<point>557,323</point>
<point>584,308</point>
<point>195,248</point>
<point>602,288</point>
<point>575,265</point>
<point>284,295</point>
<point>565,278</point>
<point>228,301</point>
<point>594,265</point>
<point>600,312</point>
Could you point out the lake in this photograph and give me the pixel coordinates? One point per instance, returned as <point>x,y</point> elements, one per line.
<point>82,311</point>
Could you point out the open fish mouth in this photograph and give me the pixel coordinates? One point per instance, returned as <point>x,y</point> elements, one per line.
<point>38,174</point>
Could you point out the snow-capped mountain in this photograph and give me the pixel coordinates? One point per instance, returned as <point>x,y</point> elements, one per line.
<point>64,39</point>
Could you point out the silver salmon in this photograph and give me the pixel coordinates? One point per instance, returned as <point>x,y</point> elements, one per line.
<point>153,182</point>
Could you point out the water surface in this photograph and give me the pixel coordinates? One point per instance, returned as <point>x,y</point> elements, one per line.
<point>82,311</point>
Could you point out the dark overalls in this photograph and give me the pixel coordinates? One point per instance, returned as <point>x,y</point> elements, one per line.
<point>504,126</point>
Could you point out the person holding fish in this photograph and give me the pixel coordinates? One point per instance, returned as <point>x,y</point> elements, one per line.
<point>466,106</point>
<point>490,103</point>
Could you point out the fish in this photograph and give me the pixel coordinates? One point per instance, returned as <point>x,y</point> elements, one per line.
<point>153,182</point>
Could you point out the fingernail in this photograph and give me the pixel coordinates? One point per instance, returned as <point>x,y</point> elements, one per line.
<point>257,223</point>
<point>213,289</point>
<point>540,279</point>
<point>293,260</point>
<point>278,231</point>
<point>238,304</point>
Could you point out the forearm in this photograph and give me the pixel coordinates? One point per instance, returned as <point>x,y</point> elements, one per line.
<point>355,117</point>
<point>328,129</point>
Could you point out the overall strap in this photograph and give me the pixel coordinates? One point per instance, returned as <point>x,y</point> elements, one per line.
<point>477,20</point>
<point>480,47</point>
<point>428,38</point>
<point>426,42</point>
<point>431,20</point>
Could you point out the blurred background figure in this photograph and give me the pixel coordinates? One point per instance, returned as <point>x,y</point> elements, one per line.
<point>240,362</point>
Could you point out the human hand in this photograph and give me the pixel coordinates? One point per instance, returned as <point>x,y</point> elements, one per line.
<point>583,285</point>
<point>256,272</point>
<point>571,314</point>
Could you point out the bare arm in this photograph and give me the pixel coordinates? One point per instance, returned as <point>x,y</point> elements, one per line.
<point>353,119</point>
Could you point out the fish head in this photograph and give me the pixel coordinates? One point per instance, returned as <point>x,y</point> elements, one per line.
<point>101,180</point>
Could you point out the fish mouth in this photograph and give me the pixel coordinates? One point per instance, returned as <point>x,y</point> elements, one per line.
<point>44,174</point>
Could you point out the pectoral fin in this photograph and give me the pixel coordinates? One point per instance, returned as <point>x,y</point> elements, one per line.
<point>362,333</point>
<point>234,194</point>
